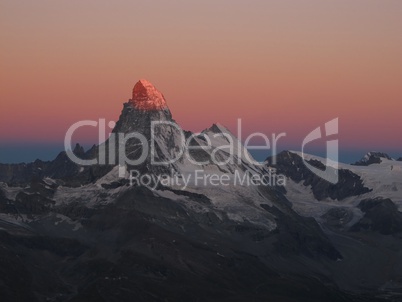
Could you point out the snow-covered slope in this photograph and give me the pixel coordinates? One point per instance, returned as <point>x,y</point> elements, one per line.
<point>384,180</point>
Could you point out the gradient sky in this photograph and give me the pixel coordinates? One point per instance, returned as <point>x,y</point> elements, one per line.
<point>281,66</point>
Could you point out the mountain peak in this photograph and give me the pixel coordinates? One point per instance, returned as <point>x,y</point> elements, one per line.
<point>147,97</point>
<point>372,157</point>
<point>146,105</point>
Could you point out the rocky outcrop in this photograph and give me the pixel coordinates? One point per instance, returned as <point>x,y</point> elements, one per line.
<point>61,168</point>
<point>291,165</point>
<point>372,158</point>
<point>381,215</point>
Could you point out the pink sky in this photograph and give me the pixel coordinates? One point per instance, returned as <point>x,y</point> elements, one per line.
<point>281,66</point>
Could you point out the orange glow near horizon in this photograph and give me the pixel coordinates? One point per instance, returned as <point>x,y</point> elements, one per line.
<point>281,66</point>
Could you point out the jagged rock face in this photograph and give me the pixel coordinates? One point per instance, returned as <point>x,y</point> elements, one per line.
<point>146,106</point>
<point>133,119</point>
<point>381,215</point>
<point>292,165</point>
<point>147,114</point>
<point>19,174</point>
<point>164,134</point>
<point>338,217</point>
<point>372,158</point>
<point>147,97</point>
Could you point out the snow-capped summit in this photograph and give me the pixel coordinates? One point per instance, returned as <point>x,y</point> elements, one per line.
<point>372,158</point>
<point>147,97</point>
